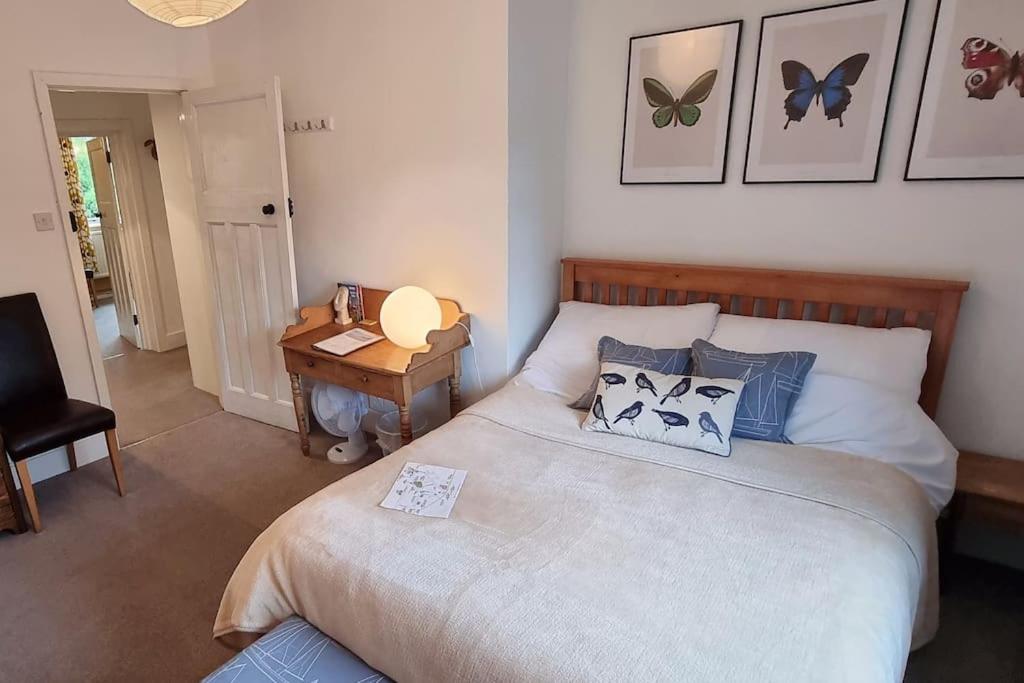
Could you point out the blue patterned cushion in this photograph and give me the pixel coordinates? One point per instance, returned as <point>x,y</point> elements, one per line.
<point>295,652</point>
<point>773,382</point>
<point>610,350</point>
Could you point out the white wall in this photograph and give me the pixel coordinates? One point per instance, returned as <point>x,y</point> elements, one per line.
<point>167,331</point>
<point>538,78</point>
<point>186,237</point>
<point>960,230</point>
<point>50,36</point>
<point>411,187</point>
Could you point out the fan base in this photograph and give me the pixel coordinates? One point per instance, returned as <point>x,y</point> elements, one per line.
<point>348,452</point>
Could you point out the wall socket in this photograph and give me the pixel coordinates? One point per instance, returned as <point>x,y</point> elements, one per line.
<point>43,221</point>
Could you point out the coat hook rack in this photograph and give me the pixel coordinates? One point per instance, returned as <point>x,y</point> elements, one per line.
<point>319,124</point>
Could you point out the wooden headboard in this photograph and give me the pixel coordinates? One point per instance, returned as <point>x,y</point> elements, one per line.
<point>867,300</point>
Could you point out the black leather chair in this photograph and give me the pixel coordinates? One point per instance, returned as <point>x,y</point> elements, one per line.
<point>36,414</point>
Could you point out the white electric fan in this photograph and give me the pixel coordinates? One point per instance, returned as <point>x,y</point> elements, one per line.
<point>340,412</point>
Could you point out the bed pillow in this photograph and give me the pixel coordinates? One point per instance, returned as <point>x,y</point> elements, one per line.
<point>773,382</point>
<point>843,414</point>
<point>690,412</point>
<point>893,359</point>
<point>609,350</point>
<point>566,360</point>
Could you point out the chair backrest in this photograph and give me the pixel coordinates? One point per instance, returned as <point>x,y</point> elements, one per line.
<point>29,372</point>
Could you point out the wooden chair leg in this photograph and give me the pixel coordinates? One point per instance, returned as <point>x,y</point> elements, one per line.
<point>72,459</point>
<point>12,493</point>
<point>30,495</point>
<point>115,459</point>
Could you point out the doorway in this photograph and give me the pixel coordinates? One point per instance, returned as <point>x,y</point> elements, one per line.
<point>221,159</point>
<point>119,213</point>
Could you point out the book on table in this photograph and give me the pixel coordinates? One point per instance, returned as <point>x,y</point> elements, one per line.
<point>347,342</point>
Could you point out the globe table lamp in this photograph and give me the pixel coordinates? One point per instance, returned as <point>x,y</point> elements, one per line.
<point>408,314</point>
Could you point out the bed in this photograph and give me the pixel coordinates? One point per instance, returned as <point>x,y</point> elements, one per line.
<point>573,555</point>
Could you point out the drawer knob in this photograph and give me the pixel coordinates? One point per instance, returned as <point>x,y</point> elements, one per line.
<point>310,363</point>
<point>365,379</point>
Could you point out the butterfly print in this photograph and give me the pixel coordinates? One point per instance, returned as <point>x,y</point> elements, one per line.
<point>833,92</point>
<point>993,69</point>
<point>684,110</point>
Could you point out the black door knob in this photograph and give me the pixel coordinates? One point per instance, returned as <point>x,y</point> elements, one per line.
<point>268,209</point>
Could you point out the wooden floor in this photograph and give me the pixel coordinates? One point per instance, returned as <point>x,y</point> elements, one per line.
<point>150,392</point>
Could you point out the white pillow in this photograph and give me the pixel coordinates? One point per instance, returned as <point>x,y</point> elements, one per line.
<point>892,359</point>
<point>689,412</point>
<point>566,360</point>
<point>843,414</point>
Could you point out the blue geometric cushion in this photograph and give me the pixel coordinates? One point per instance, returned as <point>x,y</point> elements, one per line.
<point>610,350</point>
<point>773,384</point>
<point>295,652</point>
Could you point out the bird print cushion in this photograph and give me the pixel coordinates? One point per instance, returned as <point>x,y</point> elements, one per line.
<point>611,350</point>
<point>773,382</point>
<point>691,412</point>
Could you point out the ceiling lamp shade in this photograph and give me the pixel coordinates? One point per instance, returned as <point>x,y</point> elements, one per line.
<point>408,314</point>
<point>185,13</point>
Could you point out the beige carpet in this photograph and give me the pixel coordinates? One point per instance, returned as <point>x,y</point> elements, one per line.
<point>126,589</point>
<point>150,392</point>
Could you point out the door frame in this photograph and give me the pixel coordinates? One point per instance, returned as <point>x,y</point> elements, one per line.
<point>131,200</point>
<point>44,82</point>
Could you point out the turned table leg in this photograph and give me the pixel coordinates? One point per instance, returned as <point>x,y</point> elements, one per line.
<point>301,417</point>
<point>455,394</point>
<point>405,424</point>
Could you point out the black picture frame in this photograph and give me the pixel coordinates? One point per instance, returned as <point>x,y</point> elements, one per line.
<point>732,99</point>
<point>917,120</point>
<point>885,115</point>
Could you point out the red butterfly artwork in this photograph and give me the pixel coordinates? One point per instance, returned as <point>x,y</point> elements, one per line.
<point>993,69</point>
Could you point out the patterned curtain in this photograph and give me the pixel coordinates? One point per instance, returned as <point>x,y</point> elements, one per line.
<point>67,155</point>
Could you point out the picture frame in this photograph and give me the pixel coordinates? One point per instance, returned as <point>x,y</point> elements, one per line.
<point>969,89</point>
<point>822,92</point>
<point>680,89</point>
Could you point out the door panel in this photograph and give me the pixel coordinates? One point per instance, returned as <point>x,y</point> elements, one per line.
<point>112,229</point>
<point>237,142</point>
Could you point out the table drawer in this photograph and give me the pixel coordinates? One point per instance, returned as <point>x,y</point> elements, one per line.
<point>376,384</point>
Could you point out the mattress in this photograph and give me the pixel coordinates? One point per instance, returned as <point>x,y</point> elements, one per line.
<point>575,555</point>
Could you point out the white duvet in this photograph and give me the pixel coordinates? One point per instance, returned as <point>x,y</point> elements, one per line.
<point>582,556</point>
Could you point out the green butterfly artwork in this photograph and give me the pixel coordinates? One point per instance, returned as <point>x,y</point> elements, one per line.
<point>684,110</point>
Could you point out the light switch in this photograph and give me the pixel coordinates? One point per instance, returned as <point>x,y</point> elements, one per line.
<point>44,221</point>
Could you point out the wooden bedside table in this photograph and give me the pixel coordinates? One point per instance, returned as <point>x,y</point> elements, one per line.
<point>996,483</point>
<point>986,486</point>
<point>381,369</point>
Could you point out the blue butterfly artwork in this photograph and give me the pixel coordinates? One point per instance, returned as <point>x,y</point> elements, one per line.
<point>833,92</point>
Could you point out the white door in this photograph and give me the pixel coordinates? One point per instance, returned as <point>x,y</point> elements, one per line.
<point>112,229</point>
<point>236,140</point>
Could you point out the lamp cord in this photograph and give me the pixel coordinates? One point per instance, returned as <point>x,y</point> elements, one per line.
<point>476,361</point>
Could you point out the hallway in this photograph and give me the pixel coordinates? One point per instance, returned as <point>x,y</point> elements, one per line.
<point>151,392</point>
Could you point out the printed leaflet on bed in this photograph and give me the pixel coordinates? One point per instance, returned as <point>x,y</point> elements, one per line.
<point>425,490</point>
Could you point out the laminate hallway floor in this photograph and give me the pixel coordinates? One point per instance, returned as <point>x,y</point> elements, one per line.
<point>150,392</point>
